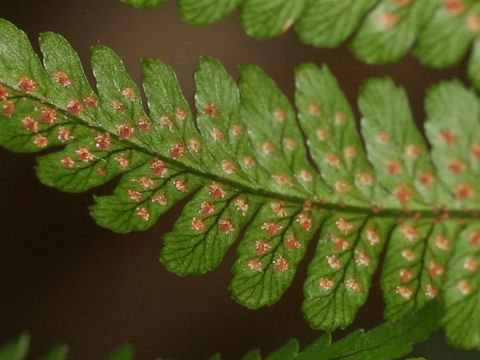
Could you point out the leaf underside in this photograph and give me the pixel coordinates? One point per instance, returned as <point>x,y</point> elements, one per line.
<point>381,31</point>
<point>247,161</point>
<point>390,340</point>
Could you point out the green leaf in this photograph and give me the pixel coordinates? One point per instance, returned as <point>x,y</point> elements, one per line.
<point>145,4</point>
<point>206,12</point>
<point>390,340</point>
<point>382,31</point>
<point>123,353</point>
<point>57,353</point>
<point>248,169</point>
<point>16,350</point>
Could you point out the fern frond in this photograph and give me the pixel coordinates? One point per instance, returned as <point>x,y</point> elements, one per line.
<point>245,165</point>
<point>390,340</point>
<point>382,31</point>
<point>18,350</point>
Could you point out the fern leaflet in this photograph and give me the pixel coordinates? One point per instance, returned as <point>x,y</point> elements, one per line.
<point>389,340</point>
<point>382,31</point>
<point>246,167</point>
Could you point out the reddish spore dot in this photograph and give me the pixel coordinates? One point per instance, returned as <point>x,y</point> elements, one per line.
<point>326,284</point>
<point>74,107</point>
<point>40,141</point>
<point>210,109</point>
<point>67,162</point>
<point>372,236</point>
<point>226,226</point>
<point>410,233</point>
<point>463,191</point>
<point>291,242</point>
<point>353,285</point>
<point>435,269</point>
<point>144,124</point>
<point>289,144</point>
<point>216,134</point>
<point>405,275</point>
<point>146,183</point>
<point>30,124</point>
<point>464,287</point>
<point>475,150</point>
<point>206,208</point>
<point>333,261</point>
<point>455,7</point>
<point>404,292</point>
<point>228,167</point>
<point>180,114</point>
<point>160,199</point>
<point>158,167</point>
<point>122,161</point>
<point>304,221</point>
<point>62,78</point>
<point>8,108</point>
<point>447,137</point>
<point>3,92</point>
<point>129,94</point>
<point>280,264</point>
<point>305,175</point>
<point>26,84</point>
<point>101,171</point>
<point>442,243</point>
<point>143,213</point>
<point>342,187</point>
<point>181,185</point>
<point>262,247</point>
<point>83,154</point>
<point>474,238</point>
<point>470,264</point>
<point>408,254</point>
<point>279,208</point>
<point>402,193</point>
<point>216,191</point>
<point>125,131</point>
<point>426,178</point>
<point>193,145</point>
<point>102,141</point>
<point>118,106</point>
<point>350,152</point>
<point>314,109</point>
<point>134,195</point>
<point>282,180</point>
<point>473,23</point>
<point>64,135</point>
<point>90,101</point>
<point>48,115</point>
<point>254,265</point>
<point>412,151</point>
<point>456,166</point>
<point>248,161</point>
<point>237,130</point>
<point>166,122</point>
<point>387,20</point>
<point>340,244</point>
<point>197,224</point>
<point>365,179</point>
<point>430,291</point>
<point>280,114</point>
<point>268,148</point>
<point>393,167</point>
<point>271,229</point>
<point>344,226</point>
<point>322,134</point>
<point>177,151</point>
<point>383,138</point>
<point>340,118</point>
<point>332,160</point>
<point>241,205</point>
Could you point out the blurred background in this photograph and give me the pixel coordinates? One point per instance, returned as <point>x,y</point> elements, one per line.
<point>64,279</point>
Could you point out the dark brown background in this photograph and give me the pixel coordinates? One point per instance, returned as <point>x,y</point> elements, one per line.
<point>64,279</point>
